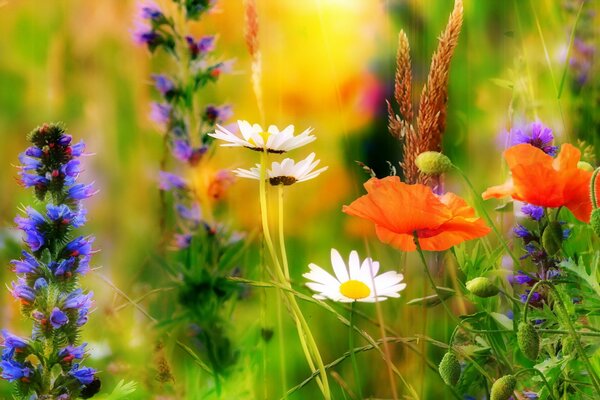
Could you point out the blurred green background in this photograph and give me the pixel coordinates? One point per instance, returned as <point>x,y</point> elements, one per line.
<point>328,64</point>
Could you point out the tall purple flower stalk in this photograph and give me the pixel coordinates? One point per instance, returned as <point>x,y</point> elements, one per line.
<point>47,364</point>
<point>202,247</point>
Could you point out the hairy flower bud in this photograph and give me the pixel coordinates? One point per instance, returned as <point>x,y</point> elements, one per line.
<point>433,163</point>
<point>482,287</point>
<point>503,388</point>
<point>528,340</point>
<point>449,369</point>
<point>595,221</point>
<point>552,238</point>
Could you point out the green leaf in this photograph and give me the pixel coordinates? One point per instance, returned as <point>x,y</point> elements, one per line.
<point>503,320</point>
<point>591,277</point>
<point>433,300</point>
<point>121,391</point>
<point>506,207</point>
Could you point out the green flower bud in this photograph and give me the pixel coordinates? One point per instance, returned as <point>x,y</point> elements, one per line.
<point>528,340</point>
<point>503,388</point>
<point>482,287</point>
<point>552,238</point>
<point>449,369</point>
<point>433,163</point>
<point>595,221</point>
<point>585,166</point>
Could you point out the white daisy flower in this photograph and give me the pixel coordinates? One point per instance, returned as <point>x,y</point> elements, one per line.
<point>254,137</point>
<point>357,283</point>
<point>286,172</point>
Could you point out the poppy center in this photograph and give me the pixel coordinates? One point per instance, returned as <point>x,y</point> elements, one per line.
<point>354,289</point>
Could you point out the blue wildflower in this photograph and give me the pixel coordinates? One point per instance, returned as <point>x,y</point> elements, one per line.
<point>168,181</point>
<point>60,213</point>
<point>217,115</point>
<point>34,151</point>
<point>29,180</point>
<point>76,300</point>
<point>84,375</point>
<point>521,231</point>
<point>77,149</point>
<point>537,135</point>
<point>20,290</point>
<point>27,265</point>
<point>58,318</point>
<point>39,284</point>
<point>12,341</point>
<point>71,168</point>
<point>163,84</point>
<point>71,353</point>
<point>13,370</point>
<point>535,297</point>
<point>521,278</point>
<point>151,11</point>
<point>184,152</point>
<point>160,112</point>
<point>80,246</point>
<point>29,163</point>
<point>199,48</point>
<point>82,191</point>
<point>534,212</point>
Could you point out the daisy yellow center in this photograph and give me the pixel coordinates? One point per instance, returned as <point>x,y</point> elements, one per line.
<point>354,289</point>
<point>264,135</point>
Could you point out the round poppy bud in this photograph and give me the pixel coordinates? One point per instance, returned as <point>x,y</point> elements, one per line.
<point>503,388</point>
<point>595,221</point>
<point>528,340</point>
<point>552,238</point>
<point>482,287</point>
<point>585,166</point>
<point>433,163</point>
<point>449,369</point>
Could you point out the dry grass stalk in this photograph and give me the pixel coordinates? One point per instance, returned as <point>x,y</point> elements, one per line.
<point>251,36</point>
<point>431,119</point>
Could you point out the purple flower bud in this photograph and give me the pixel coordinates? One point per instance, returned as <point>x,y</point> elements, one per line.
<point>84,375</point>
<point>201,47</point>
<point>160,113</point>
<point>39,284</point>
<point>13,370</point>
<point>71,168</point>
<point>218,115</point>
<point>77,300</point>
<point>521,231</point>
<point>13,342</point>
<point>58,318</point>
<point>533,212</point>
<point>71,353</point>
<point>27,265</point>
<point>192,213</point>
<point>168,181</point>
<point>20,290</point>
<point>82,191</point>
<point>29,180</point>
<point>79,246</point>
<point>29,163</point>
<point>150,10</point>
<point>34,151</point>
<point>78,149</point>
<point>163,84</point>
<point>59,213</point>
<point>182,241</point>
<point>64,140</point>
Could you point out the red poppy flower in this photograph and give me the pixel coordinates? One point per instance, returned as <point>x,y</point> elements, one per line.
<point>399,210</point>
<point>540,179</point>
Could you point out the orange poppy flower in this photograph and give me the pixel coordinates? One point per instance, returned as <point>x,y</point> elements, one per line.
<point>398,210</point>
<point>540,179</point>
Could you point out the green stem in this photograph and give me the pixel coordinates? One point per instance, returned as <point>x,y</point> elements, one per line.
<point>593,188</point>
<point>352,352</point>
<point>286,268</point>
<point>282,358</point>
<point>487,217</point>
<point>309,346</point>
<point>541,375</point>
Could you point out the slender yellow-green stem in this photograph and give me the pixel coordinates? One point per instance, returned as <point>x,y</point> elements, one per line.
<point>309,346</point>
<point>541,375</point>
<point>286,268</point>
<point>352,352</point>
<point>282,358</point>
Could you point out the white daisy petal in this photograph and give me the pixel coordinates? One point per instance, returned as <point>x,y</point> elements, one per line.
<point>339,266</point>
<point>355,282</point>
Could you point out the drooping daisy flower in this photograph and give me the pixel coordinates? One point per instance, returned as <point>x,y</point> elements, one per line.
<point>358,282</point>
<point>254,137</point>
<point>286,172</point>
